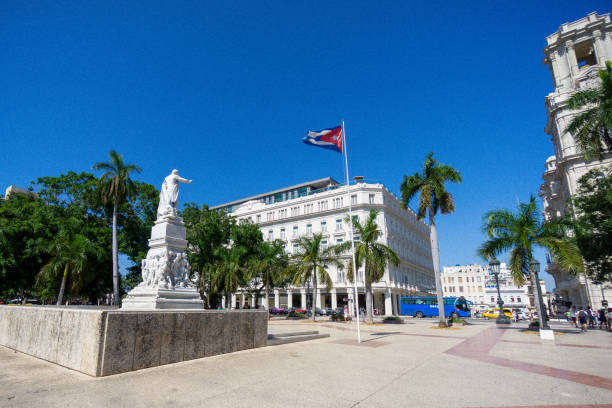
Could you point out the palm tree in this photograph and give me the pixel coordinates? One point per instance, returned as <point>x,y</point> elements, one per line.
<point>368,250</point>
<point>593,127</point>
<point>518,232</point>
<point>68,258</point>
<point>432,197</point>
<point>116,188</point>
<point>229,273</point>
<point>269,265</point>
<point>309,263</point>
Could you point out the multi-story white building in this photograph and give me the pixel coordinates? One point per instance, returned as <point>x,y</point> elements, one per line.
<point>574,55</point>
<point>468,281</point>
<point>321,206</point>
<point>476,284</point>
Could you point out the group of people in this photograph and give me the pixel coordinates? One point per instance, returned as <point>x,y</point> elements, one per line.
<point>589,318</point>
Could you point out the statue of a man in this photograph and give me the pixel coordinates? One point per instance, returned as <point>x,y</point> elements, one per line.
<point>168,196</point>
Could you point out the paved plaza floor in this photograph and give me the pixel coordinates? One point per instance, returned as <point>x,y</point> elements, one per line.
<point>413,364</point>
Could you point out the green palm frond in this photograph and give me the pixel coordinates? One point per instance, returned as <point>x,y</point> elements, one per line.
<point>430,187</point>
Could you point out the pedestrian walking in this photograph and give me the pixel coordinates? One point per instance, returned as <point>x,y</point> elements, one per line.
<point>573,316</point>
<point>582,319</point>
<point>345,313</point>
<point>591,317</point>
<point>603,321</point>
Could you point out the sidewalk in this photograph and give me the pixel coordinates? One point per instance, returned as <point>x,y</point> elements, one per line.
<point>413,364</point>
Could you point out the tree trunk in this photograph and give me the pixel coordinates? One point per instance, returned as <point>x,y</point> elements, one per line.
<point>314,294</point>
<point>60,296</point>
<point>368,289</point>
<point>115,257</point>
<point>435,255</point>
<point>228,301</point>
<point>536,291</point>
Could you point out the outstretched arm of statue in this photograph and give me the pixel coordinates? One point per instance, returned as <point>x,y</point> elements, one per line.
<point>182,180</point>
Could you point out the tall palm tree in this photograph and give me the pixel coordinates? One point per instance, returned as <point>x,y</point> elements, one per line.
<point>116,188</point>
<point>229,273</point>
<point>368,250</point>
<point>269,265</point>
<point>68,258</point>
<point>518,232</point>
<point>593,127</point>
<point>309,263</point>
<point>432,197</point>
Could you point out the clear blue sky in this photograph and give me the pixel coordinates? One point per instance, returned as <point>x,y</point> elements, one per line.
<point>225,90</point>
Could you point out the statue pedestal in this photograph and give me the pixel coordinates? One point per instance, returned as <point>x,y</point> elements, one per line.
<point>165,271</point>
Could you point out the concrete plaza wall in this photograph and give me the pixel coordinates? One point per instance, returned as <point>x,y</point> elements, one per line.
<point>104,342</point>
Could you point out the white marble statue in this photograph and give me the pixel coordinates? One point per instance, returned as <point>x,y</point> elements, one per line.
<point>168,195</point>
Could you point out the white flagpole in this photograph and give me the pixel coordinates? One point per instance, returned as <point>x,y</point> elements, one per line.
<point>348,189</point>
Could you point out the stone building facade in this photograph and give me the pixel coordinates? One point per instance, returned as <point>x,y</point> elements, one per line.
<point>320,206</point>
<point>574,54</point>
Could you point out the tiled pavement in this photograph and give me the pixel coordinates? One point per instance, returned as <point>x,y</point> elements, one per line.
<point>395,365</point>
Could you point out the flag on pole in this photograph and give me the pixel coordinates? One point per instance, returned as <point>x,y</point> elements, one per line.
<point>327,138</point>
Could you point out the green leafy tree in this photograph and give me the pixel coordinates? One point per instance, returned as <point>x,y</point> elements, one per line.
<point>136,217</point>
<point>309,263</point>
<point>519,232</point>
<point>117,186</point>
<point>26,224</point>
<point>591,222</point>
<point>268,267</point>
<point>77,196</point>
<point>429,185</point>
<point>229,273</point>
<point>207,232</point>
<point>592,128</point>
<point>68,257</point>
<point>375,255</point>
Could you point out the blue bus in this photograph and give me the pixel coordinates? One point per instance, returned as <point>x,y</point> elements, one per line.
<point>428,306</point>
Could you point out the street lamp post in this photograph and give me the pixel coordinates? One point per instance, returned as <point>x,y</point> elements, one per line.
<point>501,318</point>
<point>534,269</point>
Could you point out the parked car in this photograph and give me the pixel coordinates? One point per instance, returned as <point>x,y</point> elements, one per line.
<point>278,311</point>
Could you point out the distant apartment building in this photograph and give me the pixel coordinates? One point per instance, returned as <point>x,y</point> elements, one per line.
<point>574,54</point>
<point>477,285</point>
<point>466,280</point>
<point>320,206</point>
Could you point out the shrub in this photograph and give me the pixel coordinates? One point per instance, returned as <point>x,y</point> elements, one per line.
<point>534,325</point>
<point>297,315</point>
<point>339,317</point>
<point>458,320</point>
<point>392,318</point>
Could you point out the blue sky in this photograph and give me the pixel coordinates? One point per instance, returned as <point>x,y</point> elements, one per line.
<point>225,90</point>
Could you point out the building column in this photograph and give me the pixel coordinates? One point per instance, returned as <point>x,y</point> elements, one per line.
<point>318,299</point>
<point>396,309</point>
<point>253,301</point>
<point>571,58</point>
<point>241,301</point>
<point>265,302</point>
<point>388,303</point>
<point>289,298</point>
<point>276,298</point>
<point>232,301</point>
<point>599,48</point>
<point>223,301</point>
<point>303,293</point>
<point>334,299</point>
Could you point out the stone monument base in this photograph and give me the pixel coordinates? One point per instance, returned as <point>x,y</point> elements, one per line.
<point>105,342</point>
<point>143,298</point>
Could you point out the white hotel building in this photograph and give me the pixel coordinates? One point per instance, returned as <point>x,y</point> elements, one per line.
<point>321,206</point>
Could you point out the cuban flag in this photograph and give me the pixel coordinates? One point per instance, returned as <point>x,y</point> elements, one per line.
<point>327,138</point>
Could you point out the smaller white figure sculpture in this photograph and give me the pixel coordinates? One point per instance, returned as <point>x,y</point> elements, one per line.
<point>168,195</point>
